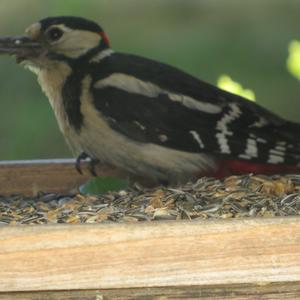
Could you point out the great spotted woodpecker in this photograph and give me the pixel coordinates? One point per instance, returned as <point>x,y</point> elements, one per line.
<point>146,117</point>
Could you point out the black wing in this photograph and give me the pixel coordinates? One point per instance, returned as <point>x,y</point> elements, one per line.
<point>237,128</point>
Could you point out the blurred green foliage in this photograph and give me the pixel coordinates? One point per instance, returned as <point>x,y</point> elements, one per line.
<point>229,85</point>
<point>101,185</point>
<point>207,38</point>
<point>293,61</point>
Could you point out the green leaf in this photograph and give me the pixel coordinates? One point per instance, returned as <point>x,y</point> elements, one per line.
<point>101,185</point>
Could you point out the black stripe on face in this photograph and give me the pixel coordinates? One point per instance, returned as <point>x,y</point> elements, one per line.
<point>72,88</point>
<point>81,62</point>
<point>71,93</point>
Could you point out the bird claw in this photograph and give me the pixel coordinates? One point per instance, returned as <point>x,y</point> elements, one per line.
<point>82,156</point>
<point>91,164</point>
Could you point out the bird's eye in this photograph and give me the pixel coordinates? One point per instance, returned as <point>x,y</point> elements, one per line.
<point>55,34</point>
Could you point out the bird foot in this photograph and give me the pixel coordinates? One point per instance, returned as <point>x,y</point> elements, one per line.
<point>91,163</point>
<point>82,156</point>
<point>92,166</point>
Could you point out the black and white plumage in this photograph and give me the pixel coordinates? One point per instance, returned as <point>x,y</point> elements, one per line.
<point>146,117</point>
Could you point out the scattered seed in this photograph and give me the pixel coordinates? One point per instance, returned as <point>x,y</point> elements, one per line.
<point>234,197</point>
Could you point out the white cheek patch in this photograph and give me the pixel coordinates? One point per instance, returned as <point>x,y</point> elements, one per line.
<point>75,43</point>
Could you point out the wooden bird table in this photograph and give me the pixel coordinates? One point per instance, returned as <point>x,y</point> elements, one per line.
<point>246,258</point>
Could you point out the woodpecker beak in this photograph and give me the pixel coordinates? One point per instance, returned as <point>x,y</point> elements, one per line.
<point>22,46</point>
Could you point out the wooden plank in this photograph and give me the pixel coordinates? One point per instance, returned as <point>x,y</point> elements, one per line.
<point>64,257</point>
<point>57,176</point>
<point>274,291</point>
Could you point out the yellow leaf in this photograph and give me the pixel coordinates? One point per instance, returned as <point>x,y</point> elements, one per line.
<point>229,85</point>
<point>293,60</point>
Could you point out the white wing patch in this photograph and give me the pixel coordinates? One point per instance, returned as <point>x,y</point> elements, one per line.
<point>277,154</point>
<point>197,138</point>
<point>222,127</point>
<point>139,125</point>
<point>163,138</point>
<point>260,123</point>
<point>74,42</point>
<point>134,85</point>
<point>251,148</point>
<point>194,104</point>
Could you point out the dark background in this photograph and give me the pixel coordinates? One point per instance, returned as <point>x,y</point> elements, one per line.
<point>248,40</point>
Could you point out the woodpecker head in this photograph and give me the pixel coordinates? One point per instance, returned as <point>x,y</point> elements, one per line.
<point>54,39</point>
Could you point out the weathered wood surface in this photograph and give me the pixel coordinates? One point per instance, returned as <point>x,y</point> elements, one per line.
<point>50,175</point>
<point>155,254</point>
<point>274,291</point>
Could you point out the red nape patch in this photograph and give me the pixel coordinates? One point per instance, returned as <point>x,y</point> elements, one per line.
<point>105,38</point>
<point>239,167</point>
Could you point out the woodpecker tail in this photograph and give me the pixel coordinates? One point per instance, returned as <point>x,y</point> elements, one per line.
<point>286,150</point>
<point>290,133</point>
